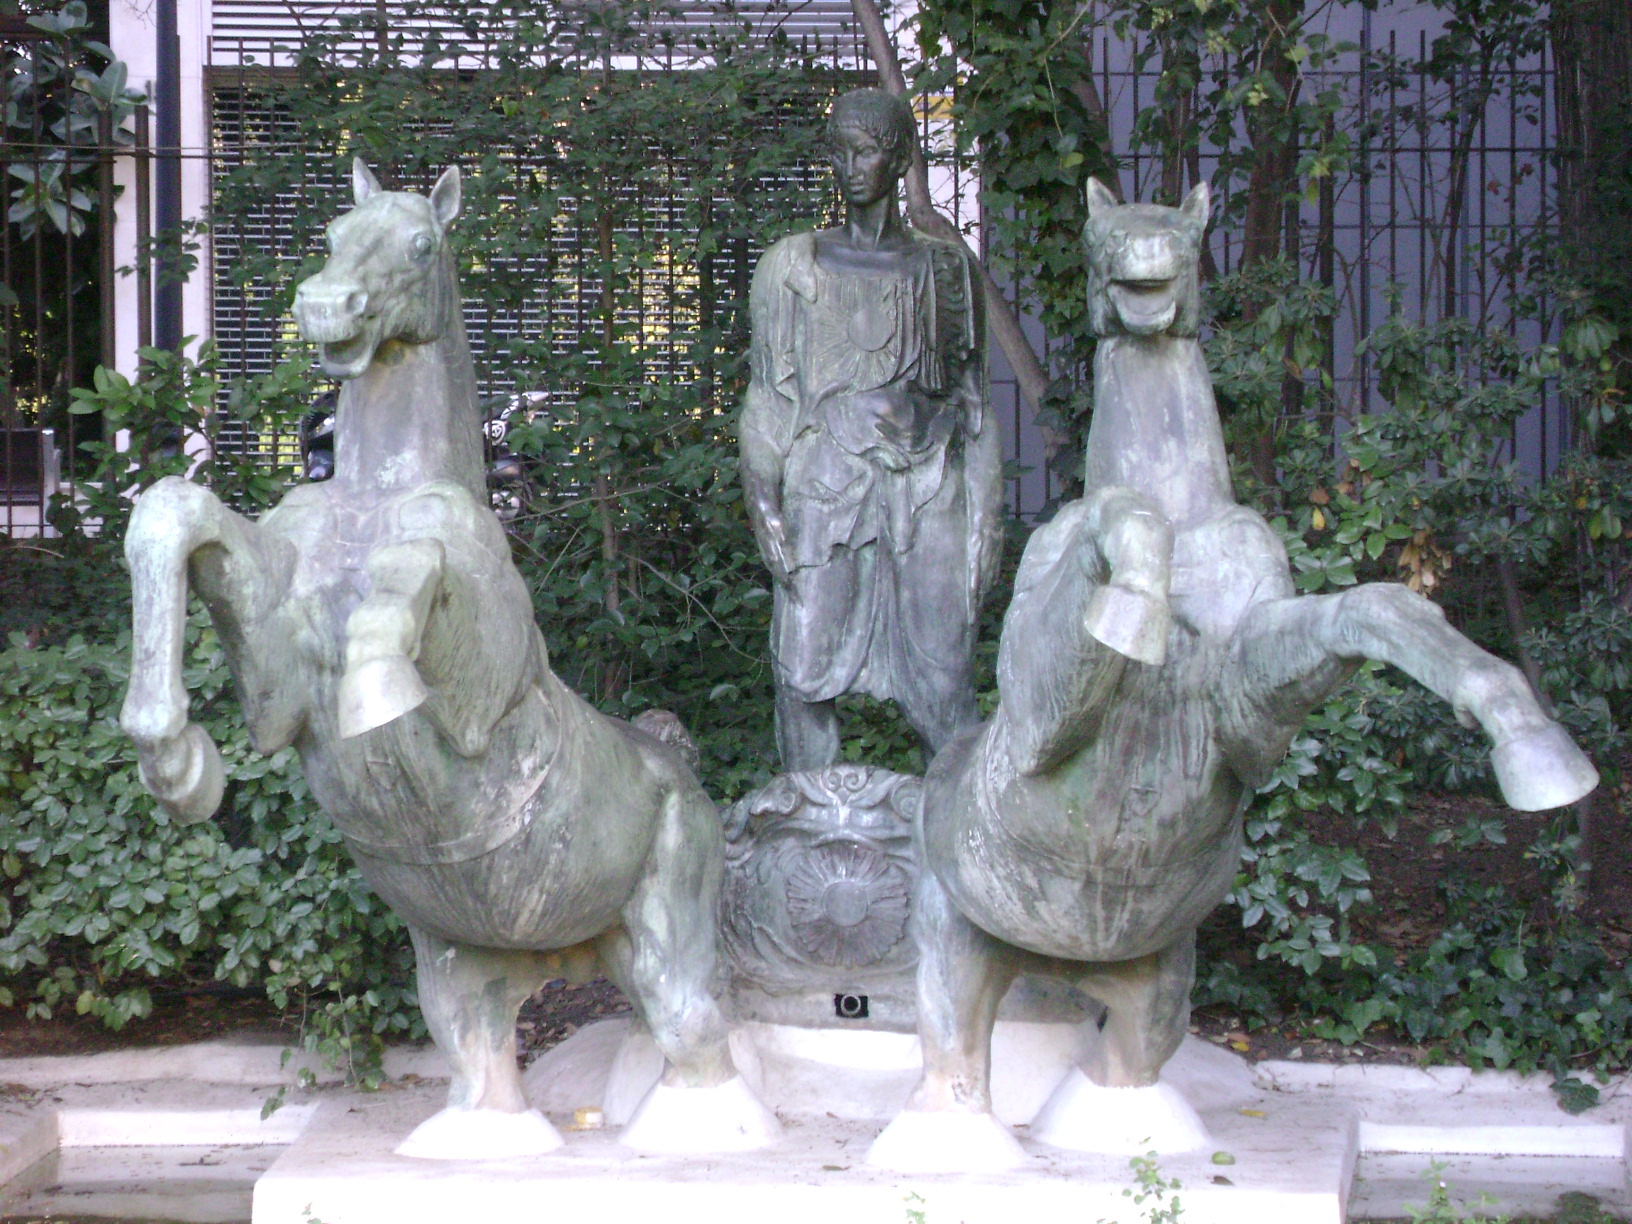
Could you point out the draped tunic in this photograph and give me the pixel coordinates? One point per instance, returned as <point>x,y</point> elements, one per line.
<point>860,383</point>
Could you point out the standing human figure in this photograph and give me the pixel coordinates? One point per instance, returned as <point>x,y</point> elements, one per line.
<point>871,469</point>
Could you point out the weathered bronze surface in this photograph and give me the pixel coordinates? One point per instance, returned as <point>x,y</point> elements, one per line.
<point>819,876</point>
<point>376,623</point>
<point>871,469</point>
<point>1154,666</point>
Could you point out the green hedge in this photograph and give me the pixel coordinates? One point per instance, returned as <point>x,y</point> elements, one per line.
<point>104,896</point>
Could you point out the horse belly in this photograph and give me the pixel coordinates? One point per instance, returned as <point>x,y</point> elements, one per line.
<point>551,887</point>
<point>1081,865</point>
<point>585,844</point>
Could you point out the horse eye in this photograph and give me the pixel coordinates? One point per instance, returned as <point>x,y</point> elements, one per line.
<point>423,245</point>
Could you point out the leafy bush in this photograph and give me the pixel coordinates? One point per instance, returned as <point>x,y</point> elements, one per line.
<point>105,896</point>
<point>1493,989</point>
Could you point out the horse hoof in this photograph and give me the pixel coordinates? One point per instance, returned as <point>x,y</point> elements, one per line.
<point>1087,1117</point>
<point>480,1134</point>
<point>377,692</point>
<point>943,1141</point>
<point>185,775</point>
<point>1542,770</point>
<point>1132,624</point>
<point>695,1121</point>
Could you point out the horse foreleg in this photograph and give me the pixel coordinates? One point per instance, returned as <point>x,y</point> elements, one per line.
<point>1112,1101</point>
<point>178,528</point>
<point>1289,654</point>
<point>963,973</point>
<point>664,957</point>
<point>381,683</point>
<point>1091,594</point>
<point>469,997</point>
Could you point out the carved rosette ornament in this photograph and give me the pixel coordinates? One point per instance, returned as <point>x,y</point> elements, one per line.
<point>818,890</point>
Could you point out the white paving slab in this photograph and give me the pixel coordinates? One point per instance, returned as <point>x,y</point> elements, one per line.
<point>1386,1185</point>
<point>202,1184</point>
<point>1454,1111</point>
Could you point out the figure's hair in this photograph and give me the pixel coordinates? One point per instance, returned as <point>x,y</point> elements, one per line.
<point>883,116</point>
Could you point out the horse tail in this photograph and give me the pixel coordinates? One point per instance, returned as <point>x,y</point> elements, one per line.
<point>666,728</point>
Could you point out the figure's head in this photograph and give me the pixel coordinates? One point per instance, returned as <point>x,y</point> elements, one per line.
<point>389,274</point>
<point>869,142</point>
<point>1142,264</point>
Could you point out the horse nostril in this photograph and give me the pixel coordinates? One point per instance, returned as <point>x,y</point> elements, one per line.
<point>356,302</point>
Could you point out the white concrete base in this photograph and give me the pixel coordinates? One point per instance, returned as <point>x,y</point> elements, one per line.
<point>701,1121</point>
<point>843,1073</point>
<point>1086,1117</point>
<point>1286,1142</point>
<point>926,1141</point>
<point>480,1134</point>
<point>342,1171</point>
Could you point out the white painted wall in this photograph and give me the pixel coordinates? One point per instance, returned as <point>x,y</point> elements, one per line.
<point>133,32</point>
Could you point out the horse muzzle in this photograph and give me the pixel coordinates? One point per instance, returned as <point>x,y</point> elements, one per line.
<point>335,317</point>
<point>1146,308</point>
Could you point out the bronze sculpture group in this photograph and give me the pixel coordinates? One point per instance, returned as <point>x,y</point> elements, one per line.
<point>1154,664</point>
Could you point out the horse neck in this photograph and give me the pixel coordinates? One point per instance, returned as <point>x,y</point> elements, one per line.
<point>411,417</point>
<point>1155,426</point>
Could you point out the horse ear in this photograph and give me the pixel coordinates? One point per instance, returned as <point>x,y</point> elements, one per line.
<point>1100,197</point>
<point>363,182</point>
<point>445,196</point>
<point>1198,204</point>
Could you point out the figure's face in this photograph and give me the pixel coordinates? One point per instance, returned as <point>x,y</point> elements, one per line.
<point>865,169</point>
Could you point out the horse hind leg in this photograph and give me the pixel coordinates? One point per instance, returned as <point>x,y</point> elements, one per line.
<point>664,956</point>
<point>470,997</point>
<point>948,1124</point>
<point>1112,1100</point>
<point>178,527</point>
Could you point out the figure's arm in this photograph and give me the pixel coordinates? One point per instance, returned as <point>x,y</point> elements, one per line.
<point>766,421</point>
<point>983,454</point>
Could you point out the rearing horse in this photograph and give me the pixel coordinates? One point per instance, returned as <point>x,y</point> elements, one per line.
<point>376,623</point>
<point>1154,666</point>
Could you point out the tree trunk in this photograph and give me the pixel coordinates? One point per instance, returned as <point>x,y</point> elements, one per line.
<point>1592,56</point>
<point>1272,134</point>
<point>1000,316</point>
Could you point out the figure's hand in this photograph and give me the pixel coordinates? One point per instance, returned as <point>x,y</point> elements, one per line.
<point>773,546</point>
<point>985,554</point>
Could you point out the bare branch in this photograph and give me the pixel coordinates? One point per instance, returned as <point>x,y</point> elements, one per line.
<point>1000,316</point>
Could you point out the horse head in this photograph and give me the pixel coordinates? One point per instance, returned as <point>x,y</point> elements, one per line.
<point>1143,261</point>
<point>390,274</point>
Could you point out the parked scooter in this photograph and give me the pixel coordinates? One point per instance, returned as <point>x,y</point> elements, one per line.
<point>510,484</point>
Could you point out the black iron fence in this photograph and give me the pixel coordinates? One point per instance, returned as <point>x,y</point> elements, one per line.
<point>70,132</point>
<point>1450,182</point>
